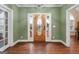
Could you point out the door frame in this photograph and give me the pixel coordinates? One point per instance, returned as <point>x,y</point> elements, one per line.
<point>10,26</point>
<point>32,39</point>
<point>68,41</point>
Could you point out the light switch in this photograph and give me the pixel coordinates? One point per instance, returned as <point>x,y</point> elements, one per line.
<point>54,26</point>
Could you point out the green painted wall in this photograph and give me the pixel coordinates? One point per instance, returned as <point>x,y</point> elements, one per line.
<point>63,21</point>
<point>15,21</point>
<point>55,19</point>
<point>58,19</point>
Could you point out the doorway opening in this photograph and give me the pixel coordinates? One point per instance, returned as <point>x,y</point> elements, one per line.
<point>6,27</point>
<point>72,25</point>
<point>39,27</point>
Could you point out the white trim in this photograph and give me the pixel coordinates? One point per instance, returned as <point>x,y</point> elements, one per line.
<point>39,13</point>
<point>58,41</point>
<point>14,43</point>
<point>68,41</point>
<point>24,40</point>
<point>4,48</point>
<point>10,26</point>
<point>41,5</point>
<point>4,6</point>
<point>20,40</point>
<point>10,29</point>
<point>64,43</point>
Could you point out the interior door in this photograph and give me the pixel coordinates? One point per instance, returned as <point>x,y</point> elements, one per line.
<point>39,27</point>
<point>4,27</point>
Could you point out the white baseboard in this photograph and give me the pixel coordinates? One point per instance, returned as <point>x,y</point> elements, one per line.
<point>20,41</point>
<point>25,40</point>
<point>46,41</point>
<point>4,48</point>
<point>14,43</point>
<point>9,45</point>
<point>64,43</point>
<point>58,41</point>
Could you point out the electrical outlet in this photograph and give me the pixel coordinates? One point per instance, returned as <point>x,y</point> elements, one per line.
<point>53,37</point>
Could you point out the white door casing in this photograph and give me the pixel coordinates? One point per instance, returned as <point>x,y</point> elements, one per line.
<point>68,41</point>
<point>10,26</point>
<point>30,16</point>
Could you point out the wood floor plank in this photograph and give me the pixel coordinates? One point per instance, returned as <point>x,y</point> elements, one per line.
<point>44,48</point>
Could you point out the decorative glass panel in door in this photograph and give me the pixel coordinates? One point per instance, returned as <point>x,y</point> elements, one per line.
<point>39,26</point>
<point>30,30</point>
<point>47,26</point>
<point>1,28</point>
<point>30,26</point>
<point>6,28</point>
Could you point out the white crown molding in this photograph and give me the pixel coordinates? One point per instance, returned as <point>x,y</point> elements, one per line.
<point>39,5</point>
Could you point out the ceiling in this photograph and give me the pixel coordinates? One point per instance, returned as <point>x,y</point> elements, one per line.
<point>39,5</point>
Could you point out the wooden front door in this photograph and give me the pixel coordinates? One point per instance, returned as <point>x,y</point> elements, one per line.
<point>39,27</point>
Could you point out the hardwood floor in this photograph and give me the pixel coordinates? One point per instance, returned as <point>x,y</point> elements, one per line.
<point>44,48</point>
